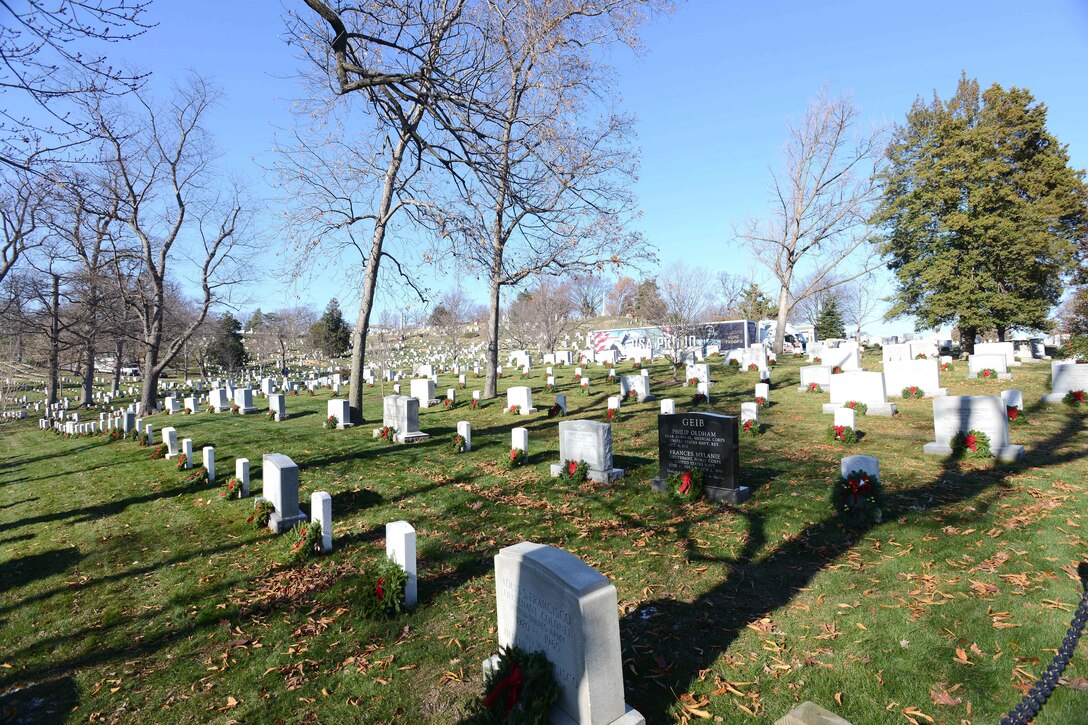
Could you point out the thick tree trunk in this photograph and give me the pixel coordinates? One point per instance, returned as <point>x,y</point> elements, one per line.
<point>118,351</point>
<point>149,392</point>
<point>53,373</point>
<point>1001,333</point>
<point>491,384</point>
<point>967,339</point>
<point>783,313</point>
<point>88,374</point>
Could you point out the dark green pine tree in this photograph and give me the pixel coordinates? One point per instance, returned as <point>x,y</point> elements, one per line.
<point>982,218</point>
<point>331,334</point>
<point>226,349</point>
<point>830,323</point>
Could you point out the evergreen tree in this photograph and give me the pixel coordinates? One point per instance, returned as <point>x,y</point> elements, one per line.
<point>830,323</point>
<point>982,217</point>
<point>226,348</point>
<point>754,305</point>
<point>330,334</point>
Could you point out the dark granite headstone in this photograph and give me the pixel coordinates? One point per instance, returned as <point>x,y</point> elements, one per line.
<point>708,443</point>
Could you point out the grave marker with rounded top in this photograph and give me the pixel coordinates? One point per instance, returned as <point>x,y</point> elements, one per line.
<point>280,488</point>
<point>519,439</point>
<point>209,462</point>
<point>241,472</point>
<point>668,406</point>
<point>550,601</point>
<point>847,417</point>
<point>589,441</point>
<point>187,451</point>
<point>464,429</point>
<point>321,511</point>
<point>704,442</point>
<point>961,413</point>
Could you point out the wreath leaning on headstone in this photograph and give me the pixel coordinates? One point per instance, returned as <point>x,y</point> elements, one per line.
<point>913,391</point>
<point>859,494</point>
<point>685,486</point>
<point>517,458</point>
<point>843,434</point>
<point>262,512</point>
<point>520,689</point>
<point>972,444</point>
<point>857,407</point>
<point>1015,415</point>
<point>458,444</point>
<point>1074,398</point>
<point>305,541</point>
<point>383,589</point>
<point>574,471</point>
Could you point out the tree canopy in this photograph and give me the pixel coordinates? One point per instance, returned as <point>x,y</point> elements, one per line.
<point>330,334</point>
<point>830,323</point>
<point>226,348</point>
<point>982,217</point>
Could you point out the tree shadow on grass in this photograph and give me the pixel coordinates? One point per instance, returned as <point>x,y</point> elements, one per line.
<point>19,572</point>
<point>761,583</point>
<point>51,701</point>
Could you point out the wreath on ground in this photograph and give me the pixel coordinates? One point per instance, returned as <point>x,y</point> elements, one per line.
<point>448,402</point>
<point>817,361</point>
<point>517,458</point>
<point>972,444</point>
<point>520,689</point>
<point>514,409</point>
<point>693,382</point>
<point>814,388</point>
<point>231,489</point>
<point>158,453</point>
<point>750,428</point>
<point>632,395</point>
<point>859,408</point>
<point>475,404</point>
<point>735,364</point>
<point>946,367</point>
<point>843,434</point>
<point>686,486</point>
<point>183,462</point>
<point>387,433</point>
<point>987,373</point>
<point>198,473</point>
<point>921,356</point>
<point>859,494</point>
<point>762,402</point>
<point>458,444</point>
<point>574,471</point>
<point>1015,415</point>
<point>913,391</point>
<point>271,414</point>
<point>752,367</point>
<point>1074,398</point>
<point>554,411</point>
<point>305,541</point>
<point>613,413</point>
<point>330,423</point>
<point>262,512</point>
<point>698,399</point>
<point>234,409</point>
<point>549,388</point>
<point>585,388</point>
<point>836,370</point>
<point>383,589</point>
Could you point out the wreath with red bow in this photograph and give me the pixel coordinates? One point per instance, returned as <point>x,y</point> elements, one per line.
<point>843,434</point>
<point>520,689</point>
<point>859,494</point>
<point>382,587</point>
<point>815,388</point>
<point>1074,398</point>
<point>913,391</point>
<point>686,486</point>
<point>972,444</point>
<point>517,458</point>
<point>1015,415</point>
<point>574,471</point>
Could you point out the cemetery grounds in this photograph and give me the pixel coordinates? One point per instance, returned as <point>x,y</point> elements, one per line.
<point>130,595</point>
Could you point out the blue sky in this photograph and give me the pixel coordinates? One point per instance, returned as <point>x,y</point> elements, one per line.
<point>713,91</point>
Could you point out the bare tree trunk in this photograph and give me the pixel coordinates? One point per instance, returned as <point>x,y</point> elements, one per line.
<point>118,351</point>
<point>491,383</point>
<point>53,380</point>
<point>88,374</point>
<point>783,313</point>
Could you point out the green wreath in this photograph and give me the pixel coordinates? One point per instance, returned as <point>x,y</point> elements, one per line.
<point>574,471</point>
<point>1074,398</point>
<point>750,428</point>
<point>972,444</point>
<point>859,408</point>
<point>1015,415</point>
<point>686,486</point>
<point>843,434</point>
<point>988,373</point>
<point>814,388</point>
<point>516,459</point>
<point>913,391</point>
<point>458,444</point>
<point>231,489</point>
<point>262,512</point>
<point>383,589</point>
<point>859,494</point>
<point>305,542</point>
<point>520,690</point>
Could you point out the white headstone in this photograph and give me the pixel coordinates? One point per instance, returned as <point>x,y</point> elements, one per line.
<point>668,406</point>
<point>519,439</point>
<point>961,413</point>
<point>846,417</point>
<point>241,472</point>
<point>464,429</point>
<point>400,546</point>
<point>280,488</point>
<point>209,462</point>
<point>321,511</point>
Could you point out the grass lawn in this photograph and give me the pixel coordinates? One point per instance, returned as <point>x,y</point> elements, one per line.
<point>130,595</point>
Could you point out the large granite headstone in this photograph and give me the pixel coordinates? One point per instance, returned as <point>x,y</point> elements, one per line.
<point>1065,377</point>
<point>961,413</point>
<point>589,441</point>
<point>280,488</point>
<point>706,442</point>
<point>401,413</point>
<point>550,601</point>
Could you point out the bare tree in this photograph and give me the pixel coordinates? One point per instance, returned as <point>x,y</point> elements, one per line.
<point>860,303</point>
<point>23,197</point>
<point>413,63</point>
<point>44,62</point>
<point>178,221</point>
<point>542,316</point>
<point>588,293</point>
<point>448,317</point>
<point>686,293</point>
<point>821,205</point>
<point>550,190</point>
<point>731,291</point>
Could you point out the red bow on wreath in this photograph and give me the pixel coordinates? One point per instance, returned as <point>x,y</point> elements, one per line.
<point>685,482</point>
<point>1013,411</point>
<point>379,588</point>
<point>511,682</point>
<point>971,442</point>
<point>1078,395</point>
<point>839,431</point>
<point>571,468</point>
<point>859,488</point>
